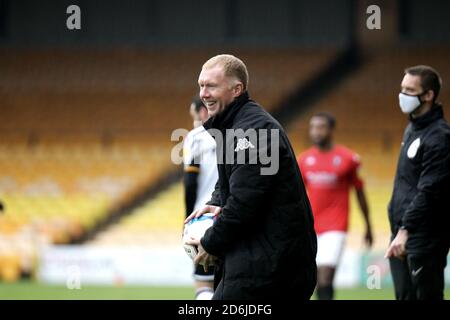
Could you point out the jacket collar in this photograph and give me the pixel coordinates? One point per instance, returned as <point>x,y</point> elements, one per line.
<point>224,119</point>
<point>423,121</point>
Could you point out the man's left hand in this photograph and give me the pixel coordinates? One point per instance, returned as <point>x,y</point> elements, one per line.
<point>397,246</point>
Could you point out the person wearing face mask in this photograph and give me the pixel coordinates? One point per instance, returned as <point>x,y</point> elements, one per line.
<point>419,208</point>
<point>200,177</point>
<point>329,172</point>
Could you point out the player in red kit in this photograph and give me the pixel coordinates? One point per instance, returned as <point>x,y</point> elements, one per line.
<point>329,171</point>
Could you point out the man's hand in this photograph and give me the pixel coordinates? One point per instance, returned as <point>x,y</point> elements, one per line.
<point>397,247</point>
<point>368,238</point>
<point>203,258</point>
<point>199,212</point>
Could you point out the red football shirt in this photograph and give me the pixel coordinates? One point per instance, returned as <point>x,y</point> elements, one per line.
<point>328,177</point>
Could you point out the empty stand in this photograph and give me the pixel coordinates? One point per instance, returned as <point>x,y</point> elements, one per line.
<point>83,131</point>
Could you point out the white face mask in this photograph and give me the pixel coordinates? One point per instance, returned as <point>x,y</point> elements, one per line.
<point>408,103</point>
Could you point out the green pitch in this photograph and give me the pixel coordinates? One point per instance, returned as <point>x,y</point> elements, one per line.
<point>32,290</point>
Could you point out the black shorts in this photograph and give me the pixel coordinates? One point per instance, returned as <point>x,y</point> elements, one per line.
<point>419,276</point>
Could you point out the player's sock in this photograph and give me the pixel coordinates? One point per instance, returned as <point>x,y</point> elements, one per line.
<point>325,292</point>
<point>204,293</point>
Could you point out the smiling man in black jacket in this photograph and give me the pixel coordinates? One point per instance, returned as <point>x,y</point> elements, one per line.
<point>263,241</point>
<point>419,209</point>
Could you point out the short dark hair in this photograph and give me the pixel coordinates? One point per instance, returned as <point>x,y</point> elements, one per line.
<point>198,104</point>
<point>327,116</point>
<point>429,78</point>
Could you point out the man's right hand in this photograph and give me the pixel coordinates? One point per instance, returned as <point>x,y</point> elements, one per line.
<point>206,209</point>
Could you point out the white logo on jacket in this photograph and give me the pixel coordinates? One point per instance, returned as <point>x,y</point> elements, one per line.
<point>243,144</point>
<point>413,147</point>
